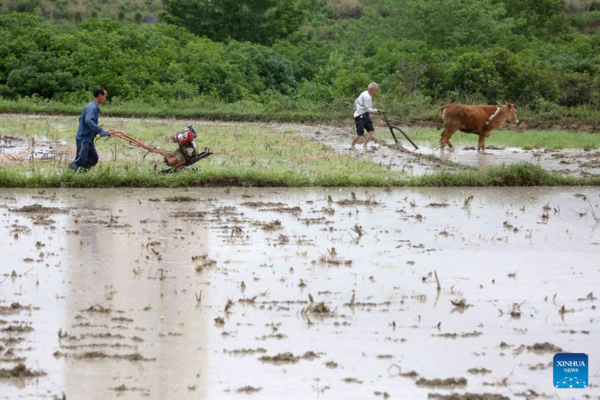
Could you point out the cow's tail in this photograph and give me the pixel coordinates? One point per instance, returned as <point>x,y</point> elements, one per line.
<point>437,118</point>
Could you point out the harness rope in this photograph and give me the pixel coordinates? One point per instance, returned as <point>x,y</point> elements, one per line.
<point>494,115</point>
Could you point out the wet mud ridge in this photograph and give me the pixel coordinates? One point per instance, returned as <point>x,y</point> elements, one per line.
<point>296,294</point>
<point>380,151</point>
<point>404,157</point>
<point>15,327</point>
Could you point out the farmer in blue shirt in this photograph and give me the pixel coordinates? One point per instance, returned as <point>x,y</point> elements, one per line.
<point>87,156</point>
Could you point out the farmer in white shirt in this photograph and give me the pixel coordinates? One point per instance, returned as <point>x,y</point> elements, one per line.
<point>362,107</point>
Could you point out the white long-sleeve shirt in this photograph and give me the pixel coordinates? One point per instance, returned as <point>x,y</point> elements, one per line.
<point>363,104</point>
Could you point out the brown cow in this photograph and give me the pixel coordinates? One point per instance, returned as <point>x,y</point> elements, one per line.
<point>480,120</point>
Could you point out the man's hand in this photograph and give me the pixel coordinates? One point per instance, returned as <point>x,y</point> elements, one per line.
<point>380,112</point>
<point>107,134</point>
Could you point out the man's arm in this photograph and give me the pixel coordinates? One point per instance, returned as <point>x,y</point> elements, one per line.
<point>91,124</point>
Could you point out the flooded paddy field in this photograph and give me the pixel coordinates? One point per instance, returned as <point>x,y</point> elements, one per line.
<point>428,158</point>
<point>51,138</point>
<point>296,294</point>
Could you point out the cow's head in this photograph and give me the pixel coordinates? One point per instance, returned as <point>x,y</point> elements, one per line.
<point>510,112</point>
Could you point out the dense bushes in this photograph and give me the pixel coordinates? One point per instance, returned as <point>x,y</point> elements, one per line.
<point>158,61</point>
<point>258,21</point>
<point>421,53</point>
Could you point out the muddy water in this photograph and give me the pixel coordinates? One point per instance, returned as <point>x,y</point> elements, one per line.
<point>115,293</point>
<point>567,162</point>
<point>401,158</point>
<point>38,147</point>
<point>427,159</point>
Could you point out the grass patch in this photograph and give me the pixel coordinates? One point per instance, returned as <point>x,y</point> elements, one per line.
<point>246,111</point>
<point>244,155</point>
<point>109,176</point>
<point>257,155</point>
<point>106,176</point>
<point>522,174</point>
<point>556,139</point>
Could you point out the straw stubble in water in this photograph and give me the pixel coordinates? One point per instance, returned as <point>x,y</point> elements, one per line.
<point>184,294</point>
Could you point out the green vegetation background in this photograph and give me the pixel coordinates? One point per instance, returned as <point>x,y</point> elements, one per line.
<point>301,59</point>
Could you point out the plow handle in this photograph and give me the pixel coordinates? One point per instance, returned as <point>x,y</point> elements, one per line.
<point>132,140</point>
<point>391,127</point>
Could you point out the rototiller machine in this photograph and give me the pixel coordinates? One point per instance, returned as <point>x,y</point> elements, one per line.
<point>186,155</point>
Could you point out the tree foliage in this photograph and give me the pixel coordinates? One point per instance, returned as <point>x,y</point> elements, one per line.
<point>420,52</point>
<point>541,18</point>
<point>257,21</point>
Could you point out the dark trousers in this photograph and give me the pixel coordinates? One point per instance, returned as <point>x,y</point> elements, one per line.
<point>87,156</point>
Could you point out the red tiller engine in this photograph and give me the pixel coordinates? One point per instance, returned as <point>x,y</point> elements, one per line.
<point>183,137</point>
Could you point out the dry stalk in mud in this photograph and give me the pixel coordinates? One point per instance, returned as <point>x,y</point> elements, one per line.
<point>109,292</point>
<point>333,259</point>
<point>283,239</point>
<point>358,230</point>
<point>272,226</point>
<point>437,280</point>
<point>515,311</point>
<point>504,381</point>
<point>352,300</point>
<point>98,308</point>
<point>13,159</point>
<point>563,310</point>
<point>589,297</point>
<point>594,215</point>
<point>460,304</point>
<point>467,201</point>
<point>316,308</point>
<point>236,231</point>
<point>249,300</point>
<point>283,358</point>
<point>203,262</point>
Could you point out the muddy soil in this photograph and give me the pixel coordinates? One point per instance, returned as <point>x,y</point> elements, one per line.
<point>426,159</point>
<point>15,149</point>
<point>405,294</point>
<point>19,149</point>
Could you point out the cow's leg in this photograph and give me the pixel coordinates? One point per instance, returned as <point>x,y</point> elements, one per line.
<point>481,145</point>
<point>442,144</point>
<point>448,132</point>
